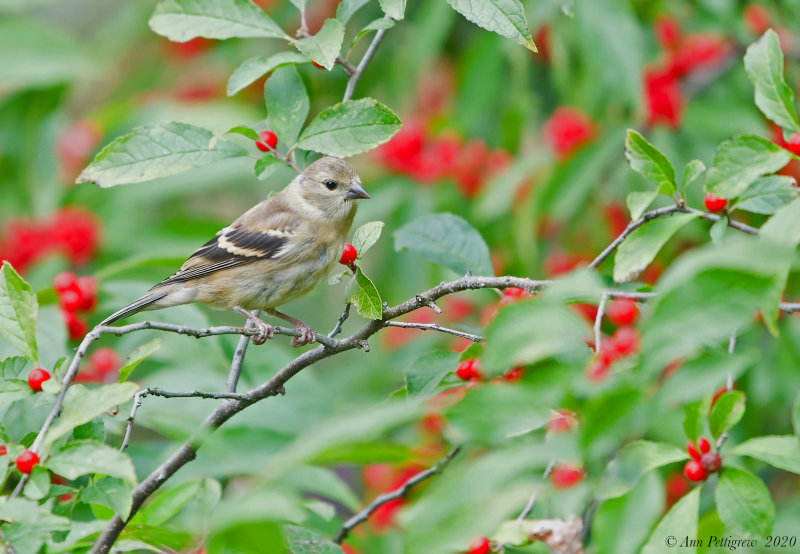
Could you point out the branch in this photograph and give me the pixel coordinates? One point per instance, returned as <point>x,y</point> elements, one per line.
<point>400,492</point>
<point>598,321</point>
<point>434,327</point>
<point>355,76</point>
<point>339,322</point>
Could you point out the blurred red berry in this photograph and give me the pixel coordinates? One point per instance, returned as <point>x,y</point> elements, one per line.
<point>692,451</point>
<point>104,360</point>
<point>597,370</point>
<point>26,460</point>
<point>75,231</point>
<point>793,144</point>
<point>564,476</point>
<point>676,486</point>
<point>622,311</point>
<point>542,40</point>
<point>514,374</point>
<point>76,327</point>
<point>714,203</point>
<point>616,216</point>
<point>625,341</point>
<point>66,280</point>
<point>711,462</point>
<point>75,144</point>
<point>756,19</point>
<point>181,51</point>
<point>516,292</point>
<point>561,421</point>
<point>349,254</point>
<point>703,445</point>
<point>558,263</point>
<point>36,377</point>
<point>479,545</point>
<point>346,549</point>
<point>568,129</point>
<point>457,308</point>
<point>3,450</point>
<point>663,97</point>
<point>586,311</point>
<point>318,66</point>
<point>468,370</point>
<point>694,471</point>
<point>70,300</point>
<point>88,291</point>
<point>668,31</point>
<point>268,140</point>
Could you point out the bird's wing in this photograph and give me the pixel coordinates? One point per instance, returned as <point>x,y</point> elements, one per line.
<point>265,231</point>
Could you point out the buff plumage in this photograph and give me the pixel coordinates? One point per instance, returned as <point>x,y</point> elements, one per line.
<point>273,253</point>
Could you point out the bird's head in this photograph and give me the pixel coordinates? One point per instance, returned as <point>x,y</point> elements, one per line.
<point>331,186</point>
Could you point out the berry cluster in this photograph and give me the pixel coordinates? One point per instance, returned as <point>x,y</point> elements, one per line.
<point>75,294</point>
<point>703,462</point>
<point>428,159</point>
<point>103,362</point>
<point>566,130</point>
<point>469,370</point>
<point>624,342</point>
<point>681,55</point>
<point>71,231</point>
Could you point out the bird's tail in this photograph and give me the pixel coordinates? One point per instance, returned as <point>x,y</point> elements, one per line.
<point>134,307</point>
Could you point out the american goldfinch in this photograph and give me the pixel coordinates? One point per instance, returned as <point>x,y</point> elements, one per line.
<point>273,253</point>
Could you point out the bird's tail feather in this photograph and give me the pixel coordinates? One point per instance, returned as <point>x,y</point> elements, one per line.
<point>134,307</point>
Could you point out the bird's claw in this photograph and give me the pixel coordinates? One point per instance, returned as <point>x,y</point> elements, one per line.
<point>265,331</point>
<point>306,336</point>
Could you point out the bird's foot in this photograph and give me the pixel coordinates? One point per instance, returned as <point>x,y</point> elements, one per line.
<point>265,331</point>
<point>306,335</point>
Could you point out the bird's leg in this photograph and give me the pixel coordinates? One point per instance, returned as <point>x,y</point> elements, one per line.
<point>265,330</point>
<point>306,332</point>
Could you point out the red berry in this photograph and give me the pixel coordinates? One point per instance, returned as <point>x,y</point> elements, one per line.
<point>625,341</point>
<point>26,460</point>
<point>694,471</point>
<point>36,377</point>
<point>318,66</point>
<point>711,462</point>
<point>349,254</point>
<point>3,450</point>
<point>668,32</point>
<point>692,450</point>
<point>703,445</point>
<point>70,300</point>
<point>104,360</point>
<point>561,421</point>
<point>564,476</point>
<point>714,203</point>
<point>568,129</point>
<point>756,18</point>
<point>676,486</point>
<point>793,144</point>
<point>597,370</point>
<point>76,327</point>
<point>663,97</point>
<point>268,140</point>
<point>514,374</point>
<point>468,369</point>
<point>88,292</point>
<point>515,292</point>
<point>622,312</point>
<point>64,281</point>
<point>479,545</point>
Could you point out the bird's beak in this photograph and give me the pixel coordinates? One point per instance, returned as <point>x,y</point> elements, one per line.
<point>357,191</point>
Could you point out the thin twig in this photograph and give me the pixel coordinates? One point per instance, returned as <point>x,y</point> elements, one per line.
<point>238,357</point>
<point>400,492</point>
<point>598,321</point>
<point>632,226</point>
<point>432,305</point>
<point>137,402</point>
<point>339,322</point>
<point>532,500</point>
<point>350,89</point>
<point>7,545</point>
<point>434,327</point>
<point>198,394</point>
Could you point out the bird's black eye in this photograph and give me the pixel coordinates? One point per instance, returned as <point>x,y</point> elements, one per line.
<point>330,183</point>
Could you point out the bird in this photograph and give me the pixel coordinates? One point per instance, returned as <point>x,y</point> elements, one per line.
<point>275,252</point>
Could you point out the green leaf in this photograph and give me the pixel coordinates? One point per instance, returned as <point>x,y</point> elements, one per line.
<point>743,503</point>
<point>448,240</point>
<point>18,311</point>
<point>38,484</point>
<point>529,331</point>
<point>82,405</point>
<point>691,172</point>
<point>395,9</point>
<point>741,160</point>
<point>287,104</point>
<point>679,521</point>
<point>346,9</point>
<point>641,246</point>
<point>266,166</point>
<point>182,20</point>
<point>110,492</point>
<point>167,504</point>
<point>638,202</point>
<point>763,62</point>
<point>88,456</point>
<point>376,25</point>
<point>367,235</point>
<point>718,230</point>
<point>304,541</point>
<point>299,4</point>
<point>650,163</point>
<point>796,415</point>
<point>504,17</point>
<point>324,47</point>
<point>362,294</point>
<point>12,390</point>
<point>350,128</point>
<point>136,357</point>
<point>253,69</point>
<point>496,414</point>
<point>784,226</point>
<point>726,412</point>
<point>767,194</point>
<point>12,367</point>
<point>780,451</point>
<point>424,375</point>
<point>156,150</point>
<point>693,420</point>
<point>633,461</point>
